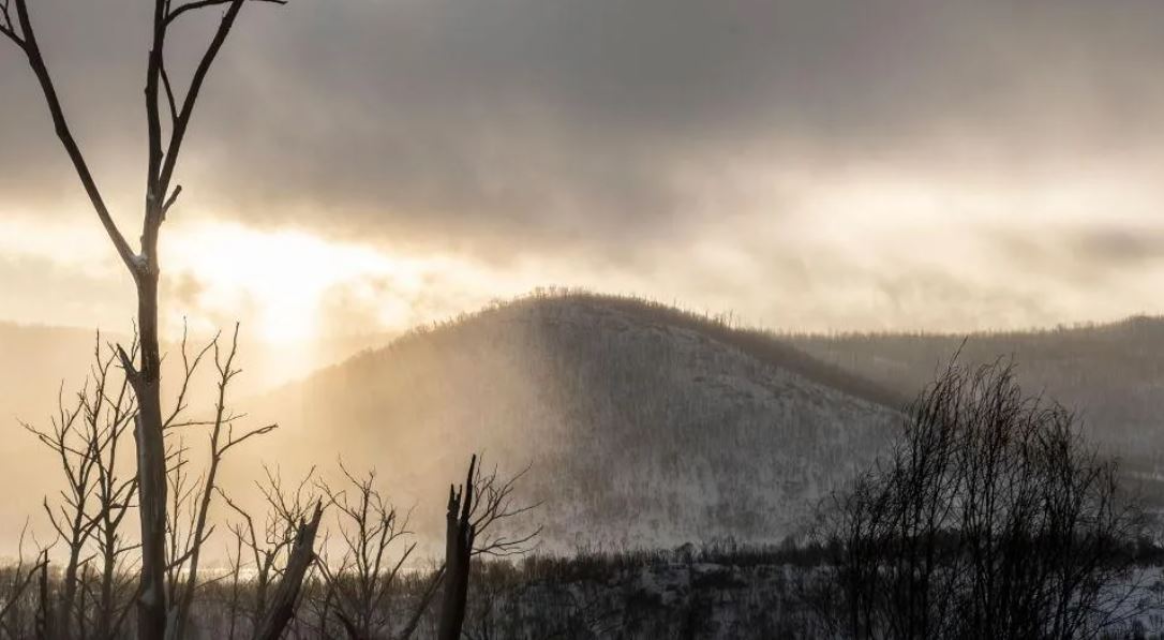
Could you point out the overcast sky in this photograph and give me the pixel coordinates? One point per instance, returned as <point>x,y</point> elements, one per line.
<point>811,164</point>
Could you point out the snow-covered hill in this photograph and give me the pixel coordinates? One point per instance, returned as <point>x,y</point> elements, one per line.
<point>642,425</point>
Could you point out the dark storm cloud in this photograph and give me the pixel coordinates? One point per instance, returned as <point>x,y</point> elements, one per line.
<point>592,122</point>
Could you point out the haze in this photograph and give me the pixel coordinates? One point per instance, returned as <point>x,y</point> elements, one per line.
<point>364,166</point>
<point>626,297</point>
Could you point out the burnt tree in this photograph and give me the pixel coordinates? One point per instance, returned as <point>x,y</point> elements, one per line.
<point>168,117</point>
<point>990,518</point>
<point>474,511</point>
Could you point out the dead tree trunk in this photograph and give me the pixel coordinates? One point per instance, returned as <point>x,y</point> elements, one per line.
<point>160,195</point>
<point>483,502</point>
<point>459,537</point>
<point>151,464</point>
<point>286,598</point>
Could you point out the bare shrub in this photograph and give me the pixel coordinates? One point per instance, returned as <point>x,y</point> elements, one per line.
<point>990,518</point>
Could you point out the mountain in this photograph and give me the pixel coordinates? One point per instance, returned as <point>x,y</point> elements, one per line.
<point>1112,375</point>
<point>641,424</point>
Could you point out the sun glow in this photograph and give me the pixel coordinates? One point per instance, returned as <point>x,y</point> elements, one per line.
<point>863,249</point>
<point>284,279</point>
<point>286,285</point>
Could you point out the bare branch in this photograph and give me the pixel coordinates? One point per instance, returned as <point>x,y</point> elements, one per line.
<point>31,47</point>
<point>189,367</point>
<point>202,4</point>
<point>170,102</point>
<point>6,26</point>
<point>177,136</point>
<point>153,460</point>
<point>173,195</point>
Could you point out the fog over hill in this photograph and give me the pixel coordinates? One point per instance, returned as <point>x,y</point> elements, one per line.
<point>642,425</point>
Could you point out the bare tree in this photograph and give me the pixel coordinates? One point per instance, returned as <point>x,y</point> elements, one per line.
<point>78,458</point>
<point>85,436</point>
<point>300,559</point>
<point>990,518</point>
<point>114,497</point>
<point>281,553</point>
<point>165,137</point>
<point>474,511</point>
<point>186,551</point>
<point>360,586</point>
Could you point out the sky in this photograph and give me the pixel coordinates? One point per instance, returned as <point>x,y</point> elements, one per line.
<point>359,166</point>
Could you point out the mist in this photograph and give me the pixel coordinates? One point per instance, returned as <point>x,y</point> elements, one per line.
<point>588,319</point>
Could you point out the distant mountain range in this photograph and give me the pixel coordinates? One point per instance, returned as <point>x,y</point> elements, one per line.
<point>1112,375</point>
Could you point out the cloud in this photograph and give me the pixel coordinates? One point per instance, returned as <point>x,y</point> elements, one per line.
<point>1120,247</point>
<point>672,145</point>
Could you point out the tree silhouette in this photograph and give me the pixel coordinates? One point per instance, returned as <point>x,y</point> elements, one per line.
<point>165,139</point>
<point>990,518</point>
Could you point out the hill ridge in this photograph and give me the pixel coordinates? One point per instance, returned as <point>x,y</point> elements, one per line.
<point>763,344</point>
<point>641,428</point>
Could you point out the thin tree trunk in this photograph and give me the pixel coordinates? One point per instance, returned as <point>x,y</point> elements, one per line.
<point>161,165</point>
<point>151,467</point>
<point>105,613</point>
<point>68,591</point>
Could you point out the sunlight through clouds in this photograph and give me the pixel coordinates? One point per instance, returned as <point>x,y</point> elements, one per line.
<point>286,285</point>
<point>289,278</point>
<point>857,249</point>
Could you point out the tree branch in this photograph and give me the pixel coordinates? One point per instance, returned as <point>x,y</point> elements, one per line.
<point>35,60</point>
<point>171,200</point>
<point>6,27</point>
<point>200,73</point>
<point>169,91</point>
<point>202,4</point>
